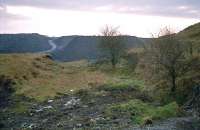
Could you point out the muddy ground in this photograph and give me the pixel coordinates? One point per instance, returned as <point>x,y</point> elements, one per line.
<point>85,110</point>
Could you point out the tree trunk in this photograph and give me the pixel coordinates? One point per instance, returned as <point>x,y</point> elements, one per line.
<point>113,61</point>
<point>173,89</point>
<point>113,64</point>
<point>191,49</point>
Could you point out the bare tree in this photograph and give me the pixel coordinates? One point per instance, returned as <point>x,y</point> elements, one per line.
<point>111,45</point>
<point>164,57</point>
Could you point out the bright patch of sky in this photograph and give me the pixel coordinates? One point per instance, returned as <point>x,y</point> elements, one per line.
<point>86,17</point>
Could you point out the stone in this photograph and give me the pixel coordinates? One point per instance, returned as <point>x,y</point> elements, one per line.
<point>71,103</point>
<point>31,126</point>
<point>93,121</point>
<point>50,101</point>
<point>59,124</point>
<point>43,108</point>
<point>24,125</point>
<point>48,107</point>
<point>79,125</point>
<point>39,110</point>
<point>44,121</point>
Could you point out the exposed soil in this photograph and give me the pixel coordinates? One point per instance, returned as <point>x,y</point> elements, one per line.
<point>84,110</point>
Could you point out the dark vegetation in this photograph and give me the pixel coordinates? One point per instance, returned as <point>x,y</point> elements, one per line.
<point>165,59</point>
<point>6,90</point>
<point>168,66</point>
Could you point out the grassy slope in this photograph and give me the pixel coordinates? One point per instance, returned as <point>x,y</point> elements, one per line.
<point>192,36</point>
<point>192,32</point>
<point>41,78</point>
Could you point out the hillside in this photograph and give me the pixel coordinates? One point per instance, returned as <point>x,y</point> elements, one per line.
<point>63,41</point>
<point>86,47</point>
<point>23,43</point>
<point>39,77</point>
<point>78,48</point>
<point>192,32</point>
<point>191,36</point>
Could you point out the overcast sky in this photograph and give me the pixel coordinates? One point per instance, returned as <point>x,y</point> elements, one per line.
<point>87,17</point>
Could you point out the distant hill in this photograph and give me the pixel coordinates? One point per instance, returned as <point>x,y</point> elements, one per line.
<point>85,47</point>
<point>68,48</point>
<point>22,43</point>
<point>71,48</point>
<point>80,47</point>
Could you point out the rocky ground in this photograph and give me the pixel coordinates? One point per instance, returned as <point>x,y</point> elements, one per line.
<point>85,110</point>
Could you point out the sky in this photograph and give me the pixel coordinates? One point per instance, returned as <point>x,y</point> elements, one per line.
<point>87,17</point>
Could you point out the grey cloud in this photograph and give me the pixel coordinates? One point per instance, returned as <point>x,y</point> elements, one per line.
<point>7,17</point>
<point>155,7</point>
<point>79,3</point>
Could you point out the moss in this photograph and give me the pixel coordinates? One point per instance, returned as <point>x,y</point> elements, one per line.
<point>139,111</point>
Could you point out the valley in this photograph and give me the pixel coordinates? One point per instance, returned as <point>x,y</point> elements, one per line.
<point>53,47</point>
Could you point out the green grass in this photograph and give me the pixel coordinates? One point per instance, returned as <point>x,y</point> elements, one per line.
<point>41,78</point>
<point>139,111</point>
<point>19,108</point>
<point>124,84</point>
